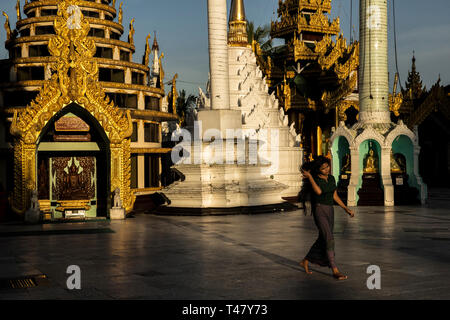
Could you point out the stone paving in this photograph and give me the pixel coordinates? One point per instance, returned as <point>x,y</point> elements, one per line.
<point>233,257</point>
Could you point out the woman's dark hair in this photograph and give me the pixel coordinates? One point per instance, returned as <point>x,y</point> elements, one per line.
<point>317,163</point>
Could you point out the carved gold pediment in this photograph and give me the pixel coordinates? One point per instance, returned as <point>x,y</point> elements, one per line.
<point>326,61</point>
<point>302,51</point>
<point>331,98</point>
<point>318,22</point>
<point>344,106</point>
<point>395,102</point>
<point>343,70</point>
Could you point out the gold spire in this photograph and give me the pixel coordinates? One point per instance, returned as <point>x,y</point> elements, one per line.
<point>19,16</point>
<point>237,34</point>
<point>237,11</point>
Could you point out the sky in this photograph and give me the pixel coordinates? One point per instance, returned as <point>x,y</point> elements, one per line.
<point>181,30</point>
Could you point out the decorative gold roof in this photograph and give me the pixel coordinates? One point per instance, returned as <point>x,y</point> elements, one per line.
<point>75,79</point>
<point>292,5</point>
<point>304,16</point>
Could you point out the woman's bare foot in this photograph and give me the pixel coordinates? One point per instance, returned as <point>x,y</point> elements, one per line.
<point>304,265</point>
<point>338,275</point>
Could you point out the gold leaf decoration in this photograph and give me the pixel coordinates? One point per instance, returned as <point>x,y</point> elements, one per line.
<point>74,80</point>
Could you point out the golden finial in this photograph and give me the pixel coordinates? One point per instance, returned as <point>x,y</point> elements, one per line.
<point>19,16</point>
<point>147,50</point>
<point>161,70</point>
<point>174,93</point>
<point>120,13</point>
<point>237,11</point>
<point>237,34</point>
<point>7,27</point>
<point>131,34</point>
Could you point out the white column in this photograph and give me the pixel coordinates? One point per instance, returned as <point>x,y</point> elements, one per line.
<point>423,189</point>
<point>386,177</point>
<point>354,179</point>
<point>373,76</point>
<point>218,54</point>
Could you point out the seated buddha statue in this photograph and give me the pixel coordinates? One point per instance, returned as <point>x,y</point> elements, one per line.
<point>395,167</point>
<point>371,163</point>
<point>73,185</point>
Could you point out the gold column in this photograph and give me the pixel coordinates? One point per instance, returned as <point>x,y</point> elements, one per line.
<point>121,172</point>
<point>24,175</point>
<point>319,141</point>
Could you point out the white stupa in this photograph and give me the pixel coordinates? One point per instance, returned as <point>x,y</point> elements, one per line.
<point>242,156</point>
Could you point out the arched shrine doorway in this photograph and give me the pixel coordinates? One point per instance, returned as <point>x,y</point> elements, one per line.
<point>73,166</point>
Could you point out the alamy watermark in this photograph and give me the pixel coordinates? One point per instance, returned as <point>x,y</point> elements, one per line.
<point>239,146</point>
<point>74,280</point>
<point>374,281</point>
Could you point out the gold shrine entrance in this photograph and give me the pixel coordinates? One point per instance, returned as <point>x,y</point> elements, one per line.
<point>71,172</point>
<point>72,91</point>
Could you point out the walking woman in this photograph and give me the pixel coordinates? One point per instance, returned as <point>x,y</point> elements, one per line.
<point>324,193</point>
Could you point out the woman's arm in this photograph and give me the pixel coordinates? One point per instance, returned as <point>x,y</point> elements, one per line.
<point>314,185</point>
<point>342,205</point>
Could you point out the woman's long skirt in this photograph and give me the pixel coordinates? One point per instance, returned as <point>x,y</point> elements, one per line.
<point>322,251</point>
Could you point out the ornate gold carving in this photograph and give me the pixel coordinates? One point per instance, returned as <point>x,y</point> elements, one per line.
<point>343,70</point>
<point>131,33</point>
<point>120,13</point>
<point>286,95</point>
<point>119,63</point>
<point>45,205</point>
<point>318,23</point>
<point>19,16</point>
<point>302,51</point>
<point>151,150</point>
<point>395,102</point>
<point>338,49</point>
<point>437,98</point>
<point>75,80</point>
<point>161,71</point>
<point>287,23</point>
<point>116,85</point>
<point>174,94</point>
<point>290,5</point>
<point>321,47</point>
<point>153,114</point>
<point>91,20</point>
<point>343,106</point>
<point>9,34</point>
<point>85,4</point>
<point>237,34</point>
<point>147,51</point>
<point>73,204</point>
<point>330,99</point>
<point>325,5</point>
<point>152,189</point>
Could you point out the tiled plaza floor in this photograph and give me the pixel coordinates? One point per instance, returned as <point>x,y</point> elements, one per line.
<point>233,257</point>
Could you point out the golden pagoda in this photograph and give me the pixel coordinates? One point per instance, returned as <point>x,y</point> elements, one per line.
<point>81,119</point>
<point>313,76</point>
